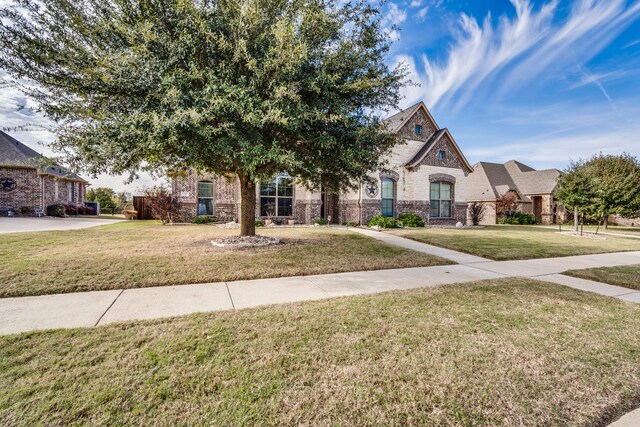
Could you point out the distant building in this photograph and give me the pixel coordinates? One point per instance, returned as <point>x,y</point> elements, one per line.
<point>533,189</point>
<point>28,183</point>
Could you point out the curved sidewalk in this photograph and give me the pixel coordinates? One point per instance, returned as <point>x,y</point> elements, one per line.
<point>86,309</point>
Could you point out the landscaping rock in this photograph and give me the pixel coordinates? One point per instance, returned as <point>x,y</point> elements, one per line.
<point>244,242</point>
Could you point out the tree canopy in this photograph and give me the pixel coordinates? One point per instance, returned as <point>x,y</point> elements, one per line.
<point>246,88</point>
<point>602,185</point>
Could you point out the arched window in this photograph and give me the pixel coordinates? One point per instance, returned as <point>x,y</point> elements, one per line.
<point>276,196</point>
<point>440,200</point>
<point>388,194</point>
<point>205,198</point>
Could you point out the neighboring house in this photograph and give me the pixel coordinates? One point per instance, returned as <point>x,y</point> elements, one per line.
<point>426,176</point>
<point>533,189</point>
<point>28,182</point>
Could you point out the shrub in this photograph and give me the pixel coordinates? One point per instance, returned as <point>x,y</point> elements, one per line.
<point>85,210</point>
<point>163,205</point>
<point>351,224</point>
<point>56,210</point>
<point>70,210</point>
<point>205,219</point>
<point>411,220</point>
<point>384,222</point>
<point>259,223</point>
<point>321,221</point>
<point>27,211</point>
<point>476,212</point>
<point>518,218</point>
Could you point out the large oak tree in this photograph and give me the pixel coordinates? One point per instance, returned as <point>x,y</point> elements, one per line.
<point>247,88</point>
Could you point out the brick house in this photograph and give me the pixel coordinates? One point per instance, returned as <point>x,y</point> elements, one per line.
<point>427,175</point>
<point>27,180</point>
<point>532,188</point>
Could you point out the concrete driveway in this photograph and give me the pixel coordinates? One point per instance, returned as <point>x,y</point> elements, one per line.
<point>22,225</point>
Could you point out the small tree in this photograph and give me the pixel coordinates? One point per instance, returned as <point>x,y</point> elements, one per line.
<point>574,190</point>
<point>508,202</point>
<point>476,212</point>
<point>103,195</point>
<point>615,184</point>
<point>163,205</point>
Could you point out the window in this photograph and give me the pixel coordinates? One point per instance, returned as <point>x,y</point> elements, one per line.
<point>388,196</point>
<point>71,192</point>
<point>441,155</point>
<point>276,196</point>
<point>418,129</point>
<point>205,198</point>
<point>441,199</point>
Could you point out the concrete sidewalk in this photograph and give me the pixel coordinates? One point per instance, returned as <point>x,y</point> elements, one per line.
<point>88,309</point>
<point>459,257</point>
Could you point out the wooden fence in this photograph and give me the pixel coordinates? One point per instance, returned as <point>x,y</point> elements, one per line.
<point>140,204</point>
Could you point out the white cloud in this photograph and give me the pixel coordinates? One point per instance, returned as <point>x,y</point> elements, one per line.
<point>416,3</point>
<point>423,12</point>
<point>394,17</point>
<point>533,45</point>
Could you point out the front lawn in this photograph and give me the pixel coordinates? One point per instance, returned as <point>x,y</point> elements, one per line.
<point>144,253</point>
<point>627,276</point>
<point>503,352</point>
<point>517,242</point>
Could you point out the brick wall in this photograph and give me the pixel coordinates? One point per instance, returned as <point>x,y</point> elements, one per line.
<point>28,191</point>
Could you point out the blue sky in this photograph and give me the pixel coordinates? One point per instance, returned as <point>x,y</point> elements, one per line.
<point>543,82</point>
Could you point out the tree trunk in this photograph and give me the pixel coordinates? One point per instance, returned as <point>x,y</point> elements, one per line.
<point>247,206</point>
<point>606,222</point>
<point>575,219</point>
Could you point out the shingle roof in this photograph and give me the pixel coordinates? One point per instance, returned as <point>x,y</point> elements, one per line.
<point>394,122</point>
<point>488,181</point>
<point>15,153</point>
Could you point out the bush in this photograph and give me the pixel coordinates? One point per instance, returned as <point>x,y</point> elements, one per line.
<point>351,224</point>
<point>518,218</point>
<point>163,205</point>
<point>411,220</point>
<point>27,211</point>
<point>259,223</point>
<point>476,212</point>
<point>56,210</point>
<point>70,210</point>
<point>384,222</point>
<point>85,210</point>
<point>205,219</point>
<point>321,221</point>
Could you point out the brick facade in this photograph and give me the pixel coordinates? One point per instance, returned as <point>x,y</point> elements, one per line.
<point>412,182</point>
<point>37,191</point>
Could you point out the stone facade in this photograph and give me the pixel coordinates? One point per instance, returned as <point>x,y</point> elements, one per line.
<point>411,182</point>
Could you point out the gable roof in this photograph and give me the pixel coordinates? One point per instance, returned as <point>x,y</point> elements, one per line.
<point>490,181</point>
<point>431,142</point>
<point>14,153</point>
<point>396,121</point>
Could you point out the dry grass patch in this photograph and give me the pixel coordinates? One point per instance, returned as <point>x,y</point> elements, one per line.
<point>139,254</point>
<point>627,276</point>
<point>518,242</point>
<point>506,352</point>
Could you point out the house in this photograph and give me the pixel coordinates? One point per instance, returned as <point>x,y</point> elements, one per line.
<point>426,175</point>
<point>29,182</point>
<point>532,189</point>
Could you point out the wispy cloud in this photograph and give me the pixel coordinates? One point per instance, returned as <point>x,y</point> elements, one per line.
<point>534,45</point>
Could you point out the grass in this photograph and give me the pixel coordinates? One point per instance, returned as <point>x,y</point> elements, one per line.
<point>627,276</point>
<point>517,242</point>
<point>504,352</point>
<point>143,253</point>
<point>614,229</point>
